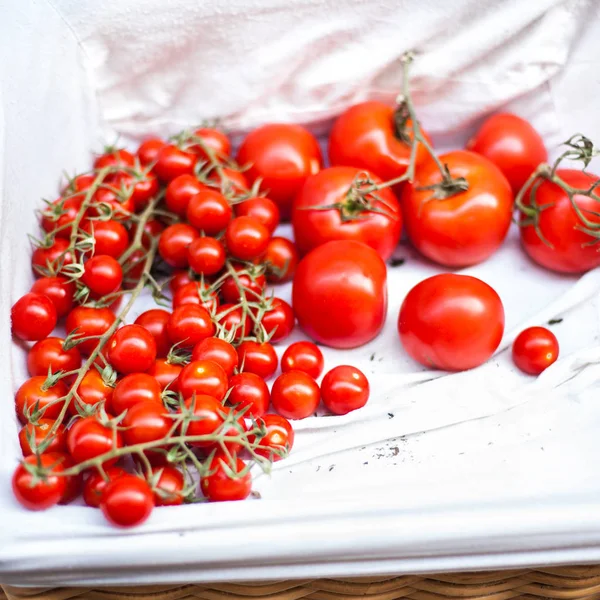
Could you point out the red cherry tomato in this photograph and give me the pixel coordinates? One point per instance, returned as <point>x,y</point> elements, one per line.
<point>209,416</point>
<point>102,275</point>
<point>257,358</point>
<point>219,486</point>
<point>189,324</point>
<point>197,293</point>
<point>463,229</point>
<point>131,349</point>
<point>33,317</point>
<point>133,268</point>
<point>169,487</point>
<point>119,201</point>
<point>250,284</point>
<point>142,187</point>
<point>451,322</point>
<point>203,377</point>
<point>180,278</point>
<point>378,224</point>
<point>534,350</point>
<point>262,209</point>
<point>49,355</point>
<point>91,391</point>
<point>174,243</point>
<point>232,320</point>
<point>152,229</point>
<point>219,351</point>
<point>73,483</point>
<point>230,181</point>
<point>127,501</point>
<point>57,442</point>
<point>39,493</point>
<point>88,439</point>
<point>79,184</point>
<point>209,211</point>
<point>114,157</point>
<point>278,322</point>
<point>95,485</point>
<point>172,162</point>
<point>180,191</point>
<point>34,395</point>
<point>512,144</point>
<point>49,260</point>
<point>278,440</point>
<point>155,322</point>
<point>206,256</point>
<point>249,392</point>
<point>246,238</point>
<point>281,258</point>
<point>146,422</point>
<point>559,244</point>
<point>295,395</point>
<point>60,214</point>
<point>213,141</point>
<point>135,388</point>
<point>89,321</point>
<point>344,389</point>
<point>283,156</point>
<point>166,374</point>
<point>347,281</point>
<point>303,356</point>
<point>111,237</point>
<point>149,150</point>
<point>60,291</point>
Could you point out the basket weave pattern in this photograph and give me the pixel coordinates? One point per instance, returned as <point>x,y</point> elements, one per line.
<point>560,583</point>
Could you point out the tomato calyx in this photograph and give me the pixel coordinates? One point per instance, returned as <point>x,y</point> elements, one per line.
<point>448,187</point>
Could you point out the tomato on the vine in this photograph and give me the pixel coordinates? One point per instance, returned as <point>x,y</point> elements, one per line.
<point>103,275</point>
<point>127,501</point>
<point>248,392</point>
<point>180,191</point>
<point>49,355</point>
<point>209,211</point>
<point>258,358</point>
<point>135,388</point>
<point>246,238</point>
<point>169,487</point>
<point>95,485</point>
<point>110,237</point>
<point>230,181</point>
<point>206,256</point>
<point>73,483</point>
<point>174,243</point>
<point>278,320</point>
<point>38,492</point>
<point>131,349</point>
<point>278,439</point>
<point>232,319</point>
<point>33,317</point>
<point>534,350</point>
<point>146,422</point>
<point>219,351</point>
<point>118,201</point>
<point>189,324</point>
<point>213,140</point>
<point>180,278</point>
<point>295,395</point>
<point>155,322</point>
<point>89,321</point>
<point>40,432</point>
<point>344,389</point>
<point>49,259</point>
<point>209,415</point>
<point>303,356</point>
<point>198,293</point>
<point>203,377</point>
<point>219,486</point>
<point>149,150</point>
<point>34,395</point>
<point>171,162</point>
<point>60,290</point>
<point>115,157</point>
<point>166,374</point>
<point>91,391</point>
<point>59,215</point>
<point>142,187</point>
<point>78,185</point>
<point>281,259</point>
<point>88,438</point>
<point>153,228</point>
<point>262,209</point>
<point>250,284</point>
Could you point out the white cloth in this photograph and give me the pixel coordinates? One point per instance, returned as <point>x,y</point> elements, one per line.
<point>482,469</point>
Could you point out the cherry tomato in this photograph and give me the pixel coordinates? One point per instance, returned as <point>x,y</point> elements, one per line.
<point>344,389</point>
<point>149,150</point>
<point>180,191</point>
<point>213,140</point>
<point>209,415</point>
<point>367,136</point>
<point>295,395</point>
<point>230,181</point>
<point>219,351</point>
<point>168,490</point>
<point>95,485</point>
<point>257,358</point>
<point>120,202</point>
<point>451,322</point>
<point>561,245</point>
<point>246,238</point>
<point>131,349</point>
<point>89,321</point>
<point>180,278</point>
<point>91,391</point>
<point>534,350</point>
<point>281,258</point>
<point>512,144</point>
<point>142,187</point>
<point>102,275</point>
<point>197,293</point>
<point>262,209</point>
<point>206,256</point>
<point>231,318</point>
<point>250,284</point>
<point>278,440</point>
<point>153,228</point>
<point>146,422</point>
<point>347,281</point>
<point>127,501</point>
<point>79,184</point>
<point>49,355</point>
<point>374,219</point>
<point>203,377</point>
<point>60,291</point>
<point>60,214</point>
<point>174,242</point>
<point>88,438</point>
<point>33,317</point>
<point>219,486</point>
<point>38,493</point>
<point>279,320</point>
<point>189,324</point>
<point>250,392</point>
<point>50,259</point>
<point>33,395</point>
<point>166,374</point>
<point>111,237</point>
<point>73,483</point>
<point>209,211</point>
<point>155,322</point>
<point>303,356</point>
<point>172,162</point>
<point>463,229</point>
<point>135,388</point>
<point>41,433</point>
<point>133,268</point>
<point>114,157</point>
<point>283,156</point>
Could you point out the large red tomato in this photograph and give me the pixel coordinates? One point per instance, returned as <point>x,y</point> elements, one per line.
<point>559,244</point>
<point>283,156</point>
<point>340,294</point>
<point>372,219</point>
<point>467,227</point>
<point>451,322</point>
<point>512,144</point>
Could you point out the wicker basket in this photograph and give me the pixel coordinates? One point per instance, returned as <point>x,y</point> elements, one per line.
<point>568,583</point>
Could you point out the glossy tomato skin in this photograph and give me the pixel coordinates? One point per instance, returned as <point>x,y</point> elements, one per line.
<point>127,501</point>
<point>49,354</point>
<point>262,209</point>
<point>32,392</point>
<point>155,322</point>
<point>344,389</point>
<point>44,493</point>
<point>102,275</point>
<point>451,322</point>
<point>203,377</point>
<point>209,211</point>
<point>230,182</point>
<point>95,485</point>
<point>512,144</point>
<point>213,142</point>
<point>135,388</point>
<point>88,438</point>
<point>279,439</point>
<point>303,356</point>
<point>249,392</point>
<point>73,483</point>
<point>189,324</point>
<point>206,256</point>
<point>149,150</point>
<point>570,250</point>
<point>53,257</point>
<point>172,162</point>
<point>60,290</point>
<point>66,209</point>
<point>279,321</point>
<point>33,317</point>
<point>115,157</point>
<point>166,374</point>
<point>131,349</point>
<point>111,237</point>
<point>464,229</point>
<point>231,318</point>
<point>41,432</point>
<point>180,278</point>
<point>92,390</point>
<point>249,285</point>
<point>281,258</point>
<point>180,191</point>
<point>210,415</point>
<point>258,358</point>
<point>146,422</point>
<point>174,243</point>
<point>330,186</point>
<point>218,486</point>
<point>197,293</point>
<point>295,395</point>
<point>340,294</point>
<point>534,350</point>
<point>246,238</point>
<point>169,486</point>
<point>89,322</point>
<point>219,351</point>
<point>283,156</point>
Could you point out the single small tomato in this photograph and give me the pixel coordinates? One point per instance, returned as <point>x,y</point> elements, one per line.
<point>344,389</point>
<point>303,356</point>
<point>33,317</point>
<point>131,349</point>
<point>180,191</point>
<point>49,355</point>
<point>218,351</point>
<point>295,395</point>
<point>210,143</point>
<point>34,395</point>
<point>127,501</point>
<point>49,260</point>
<point>203,377</point>
<point>111,199</point>
<point>58,216</point>
<point>249,392</point>
<point>38,491</point>
<point>146,422</point>
<point>174,243</point>
<point>59,289</point>
<point>87,321</point>
<point>220,486</point>
<point>149,150</point>
<point>189,324</point>
<point>91,391</point>
<point>155,322</point>
<point>260,208</point>
<point>140,186</point>
<point>95,485</point>
<point>534,350</point>
<point>209,416</point>
<point>278,320</point>
<point>88,438</point>
<point>171,162</point>
<point>198,293</point>
<point>169,486</point>
<point>209,211</point>
<point>103,275</point>
<point>153,229</point>
<point>135,388</point>
<point>248,283</point>
<point>281,258</point>
<point>206,256</point>
<point>114,157</point>
<point>278,440</point>
<point>73,483</point>
<point>233,321</point>
<point>257,358</point>
<point>55,442</point>
<point>180,278</point>
<point>246,238</point>
<point>78,185</point>
<point>166,374</point>
<point>231,182</point>
<point>110,237</point>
